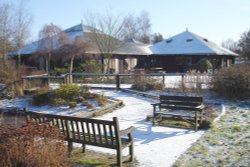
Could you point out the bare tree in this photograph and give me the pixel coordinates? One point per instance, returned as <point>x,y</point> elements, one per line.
<point>6,29</point>
<point>137,27</point>
<point>230,44</point>
<point>51,37</point>
<point>15,23</point>
<point>22,22</point>
<point>156,37</point>
<point>70,51</point>
<point>106,33</point>
<point>244,44</point>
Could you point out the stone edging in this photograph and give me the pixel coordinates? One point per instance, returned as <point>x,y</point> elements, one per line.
<point>103,110</point>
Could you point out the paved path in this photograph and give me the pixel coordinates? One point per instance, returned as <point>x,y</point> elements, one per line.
<point>154,146</point>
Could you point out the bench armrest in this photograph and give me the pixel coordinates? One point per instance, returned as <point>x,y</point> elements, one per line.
<point>155,104</point>
<point>201,106</point>
<point>127,131</point>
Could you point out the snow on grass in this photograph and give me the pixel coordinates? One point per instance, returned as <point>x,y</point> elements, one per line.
<point>227,143</point>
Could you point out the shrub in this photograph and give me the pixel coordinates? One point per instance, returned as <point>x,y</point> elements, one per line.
<point>41,99</point>
<point>101,100</point>
<point>90,66</point>
<point>67,92</point>
<point>147,85</point>
<point>72,104</point>
<point>204,64</point>
<point>233,82</point>
<point>32,145</point>
<point>59,71</point>
<point>83,90</point>
<point>58,101</point>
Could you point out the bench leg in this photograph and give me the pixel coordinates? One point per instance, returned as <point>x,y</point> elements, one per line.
<point>201,117</point>
<point>70,148</point>
<point>196,122</point>
<point>154,121</point>
<point>131,152</point>
<point>83,148</point>
<point>119,157</point>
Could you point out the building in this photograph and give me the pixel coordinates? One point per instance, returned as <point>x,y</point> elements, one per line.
<point>183,51</point>
<point>179,53</point>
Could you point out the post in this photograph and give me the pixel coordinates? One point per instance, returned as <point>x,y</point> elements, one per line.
<point>24,83</point>
<point>163,80</point>
<point>118,81</point>
<point>196,121</point>
<point>45,83</point>
<point>182,82</point>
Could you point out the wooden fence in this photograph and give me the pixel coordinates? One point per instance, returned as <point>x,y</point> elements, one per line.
<point>168,79</point>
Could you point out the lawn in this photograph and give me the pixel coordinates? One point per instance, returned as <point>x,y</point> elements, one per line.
<point>227,143</point>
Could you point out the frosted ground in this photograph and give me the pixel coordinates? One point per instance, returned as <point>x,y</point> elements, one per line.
<point>154,146</point>
<point>227,143</point>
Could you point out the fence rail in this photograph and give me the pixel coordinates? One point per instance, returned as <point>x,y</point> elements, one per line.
<point>170,80</point>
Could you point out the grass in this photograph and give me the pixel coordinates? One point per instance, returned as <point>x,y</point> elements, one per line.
<point>225,144</point>
<point>176,123</point>
<point>210,114</point>
<point>96,159</point>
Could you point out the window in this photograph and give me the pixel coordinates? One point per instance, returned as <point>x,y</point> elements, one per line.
<point>169,40</point>
<point>189,39</point>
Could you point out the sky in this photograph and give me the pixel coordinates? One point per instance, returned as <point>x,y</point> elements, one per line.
<point>216,20</point>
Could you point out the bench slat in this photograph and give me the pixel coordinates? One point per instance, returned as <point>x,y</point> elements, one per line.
<point>99,133</point>
<point>111,134</point>
<point>181,103</point>
<point>182,98</point>
<point>88,131</point>
<point>94,133</point>
<point>105,134</point>
<point>184,108</point>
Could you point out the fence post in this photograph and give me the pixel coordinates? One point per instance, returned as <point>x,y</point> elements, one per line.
<point>163,80</point>
<point>118,81</point>
<point>45,83</point>
<point>24,83</point>
<point>182,80</point>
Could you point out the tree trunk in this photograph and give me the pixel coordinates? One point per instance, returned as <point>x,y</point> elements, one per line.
<point>108,56</point>
<point>48,62</point>
<point>19,60</point>
<point>5,50</point>
<point>71,69</point>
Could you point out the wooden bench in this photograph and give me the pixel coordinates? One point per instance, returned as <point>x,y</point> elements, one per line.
<point>86,131</point>
<point>184,107</point>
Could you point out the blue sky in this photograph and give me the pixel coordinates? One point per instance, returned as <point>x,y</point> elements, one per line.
<point>217,20</point>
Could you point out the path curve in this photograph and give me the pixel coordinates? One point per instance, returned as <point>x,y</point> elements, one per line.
<point>154,146</point>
